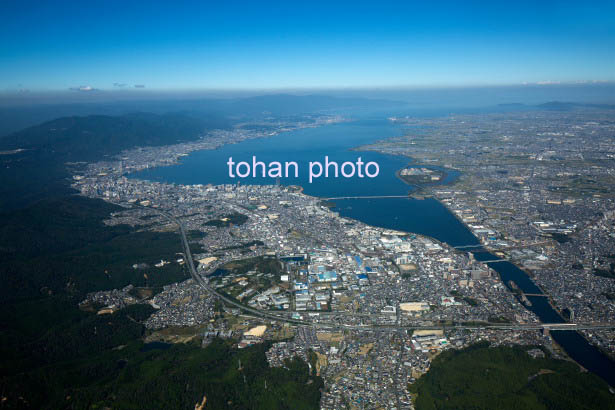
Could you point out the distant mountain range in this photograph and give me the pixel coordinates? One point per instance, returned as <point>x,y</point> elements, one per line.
<point>565,106</point>
<point>16,118</point>
<point>557,106</point>
<point>91,137</point>
<point>286,104</point>
<point>39,170</point>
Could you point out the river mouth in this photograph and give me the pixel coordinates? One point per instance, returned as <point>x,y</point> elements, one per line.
<point>426,216</point>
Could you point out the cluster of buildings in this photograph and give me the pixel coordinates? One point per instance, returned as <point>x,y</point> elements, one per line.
<point>536,189</point>
<point>357,289</point>
<point>109,301</point>
<point>181,304</point>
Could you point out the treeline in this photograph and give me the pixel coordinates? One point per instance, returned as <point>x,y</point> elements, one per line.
<point>40,170</point>
<point>173,378</point>
<point>62,246</point>
<point>235,218</point>
<point>480,377</point>
<point>54,249</point>
<point>56,356</point>
<point>259,263</point>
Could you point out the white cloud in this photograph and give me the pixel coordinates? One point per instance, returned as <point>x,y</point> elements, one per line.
<point>83,88</point>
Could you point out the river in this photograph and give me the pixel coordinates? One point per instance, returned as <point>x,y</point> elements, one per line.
<point>427,217</point>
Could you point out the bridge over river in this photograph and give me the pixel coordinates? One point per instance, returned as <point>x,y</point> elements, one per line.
<point>367,197</point>
<point>316,322</point>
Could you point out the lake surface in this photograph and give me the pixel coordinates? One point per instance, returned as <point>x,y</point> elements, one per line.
<point>427,217</point>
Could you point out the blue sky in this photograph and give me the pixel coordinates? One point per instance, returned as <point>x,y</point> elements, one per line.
<point>58,45</point>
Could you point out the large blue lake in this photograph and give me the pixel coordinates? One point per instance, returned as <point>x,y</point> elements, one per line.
<point>428,217</point>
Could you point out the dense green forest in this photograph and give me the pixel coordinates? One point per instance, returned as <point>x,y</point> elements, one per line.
<point>58,356</point>
<point>92,137</point>
<point>93,361</point>
<point>480,377</point>
<point>62,246</point>
<point>41,169</point>
<point>227,220</point>
<point>258,263</point>
<point>55,248</point>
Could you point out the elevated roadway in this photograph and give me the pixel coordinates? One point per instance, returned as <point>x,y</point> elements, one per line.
<point>332,325</point>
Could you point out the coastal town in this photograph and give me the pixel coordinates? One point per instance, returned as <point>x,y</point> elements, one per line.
<point>368,308</point>
<point>538,193</point>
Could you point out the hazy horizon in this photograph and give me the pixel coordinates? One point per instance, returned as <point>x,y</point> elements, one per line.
<point>211,46</point>
<point>466,96</point>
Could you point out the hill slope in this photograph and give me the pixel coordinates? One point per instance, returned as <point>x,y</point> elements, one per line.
<point>39,171</point>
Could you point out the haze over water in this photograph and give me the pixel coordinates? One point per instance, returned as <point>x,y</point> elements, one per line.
<point>313,144</point>
<point>427,217</point>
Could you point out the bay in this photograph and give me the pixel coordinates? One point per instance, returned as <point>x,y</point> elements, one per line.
<point>427,216</point>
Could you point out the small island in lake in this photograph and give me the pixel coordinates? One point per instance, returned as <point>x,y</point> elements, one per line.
<point>421,175</point>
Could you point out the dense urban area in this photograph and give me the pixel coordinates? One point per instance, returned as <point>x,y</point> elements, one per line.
<point>370,309</point>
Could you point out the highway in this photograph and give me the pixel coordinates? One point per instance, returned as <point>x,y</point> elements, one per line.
<point>198,279</point>
<point>339,326</point>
